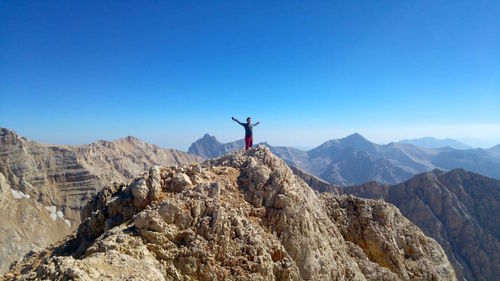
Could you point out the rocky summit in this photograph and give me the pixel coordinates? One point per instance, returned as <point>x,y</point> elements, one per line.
<point>244,216</point>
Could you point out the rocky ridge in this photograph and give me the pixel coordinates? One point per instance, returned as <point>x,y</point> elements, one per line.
<point>355,160</point>
<point>43,187</point>
<point>457,208</point>
<point>244,216</point>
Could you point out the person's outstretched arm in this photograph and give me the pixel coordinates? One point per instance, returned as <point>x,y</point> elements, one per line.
<point>236,120</point>
<point>256,124</point>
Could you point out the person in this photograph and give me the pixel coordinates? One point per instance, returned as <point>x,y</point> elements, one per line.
<point>248,131</point>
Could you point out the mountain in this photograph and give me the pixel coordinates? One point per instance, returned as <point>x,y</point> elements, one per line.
<point>496,148</point>
<point>430,142</point>
<point>460,209</point>
<point>355,160</point>
<point>209,147</point>
<point>244,216</point>
<point>346,161</point>
<point>481,161</point>
<point>125,158</point>
<point>495,151</point>
<point>43,187</point>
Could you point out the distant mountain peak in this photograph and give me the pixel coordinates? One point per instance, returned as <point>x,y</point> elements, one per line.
<point>208,137</point>
<point>209,147</point>
<point>355,137</point>
<point>131,139</point>
<point>127,139</point>
<point>358,142</point>
<point>348,141</point>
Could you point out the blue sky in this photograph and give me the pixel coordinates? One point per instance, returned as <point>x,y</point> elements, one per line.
<point>168,72</point>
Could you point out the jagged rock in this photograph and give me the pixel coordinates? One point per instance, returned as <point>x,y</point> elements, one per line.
<point>140,191</point>
<point>458,209</point>
<point>249,219</point>
<point>154,183</point>
<point>44,187</point>
<point>180,181</point>
<point>387,237</point>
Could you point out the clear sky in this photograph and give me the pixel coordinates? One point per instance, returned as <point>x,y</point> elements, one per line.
<point>167,72</point>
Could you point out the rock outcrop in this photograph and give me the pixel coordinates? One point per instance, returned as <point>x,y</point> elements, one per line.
<point>244,216</point>
<point>43,187</point>
<point>459,209</point>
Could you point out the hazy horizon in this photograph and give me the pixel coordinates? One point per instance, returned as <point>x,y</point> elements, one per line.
<point>485,144</point>
<point>73,73</point>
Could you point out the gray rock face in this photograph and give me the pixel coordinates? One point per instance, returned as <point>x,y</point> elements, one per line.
<point>244,216</point>
<point>355,160</point>
<point>43,187</point>
<point>460,209</point>
<point>209,147</point>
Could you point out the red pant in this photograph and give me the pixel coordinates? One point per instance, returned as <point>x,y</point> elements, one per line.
<point>248,142</point>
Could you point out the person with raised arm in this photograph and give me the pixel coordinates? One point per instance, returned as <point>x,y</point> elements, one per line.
<point>248,131</point>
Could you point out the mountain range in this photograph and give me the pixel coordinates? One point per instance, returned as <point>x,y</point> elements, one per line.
<point>457,208</point>
<point>244,216</point>
<point>430,142</point>
<point>43,187</point>
<point>47,190</point>
<point>355,160</point>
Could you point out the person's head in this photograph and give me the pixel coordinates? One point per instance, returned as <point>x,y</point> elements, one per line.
<point>249,120</point>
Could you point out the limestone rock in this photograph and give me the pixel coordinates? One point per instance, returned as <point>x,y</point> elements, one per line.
<point>44,187</point>
<point>180,181</point>
<point>387,238</point>
<point>250,218</point>
<point>456,208</point>
<point>140,191</point>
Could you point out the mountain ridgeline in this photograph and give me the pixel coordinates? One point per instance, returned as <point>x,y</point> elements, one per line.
<point>430,142</point>
<point>244,216</point>
<point>43,187</point>
<point>354,160</point>
<point>247,215</point>
<point>460,209</point>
